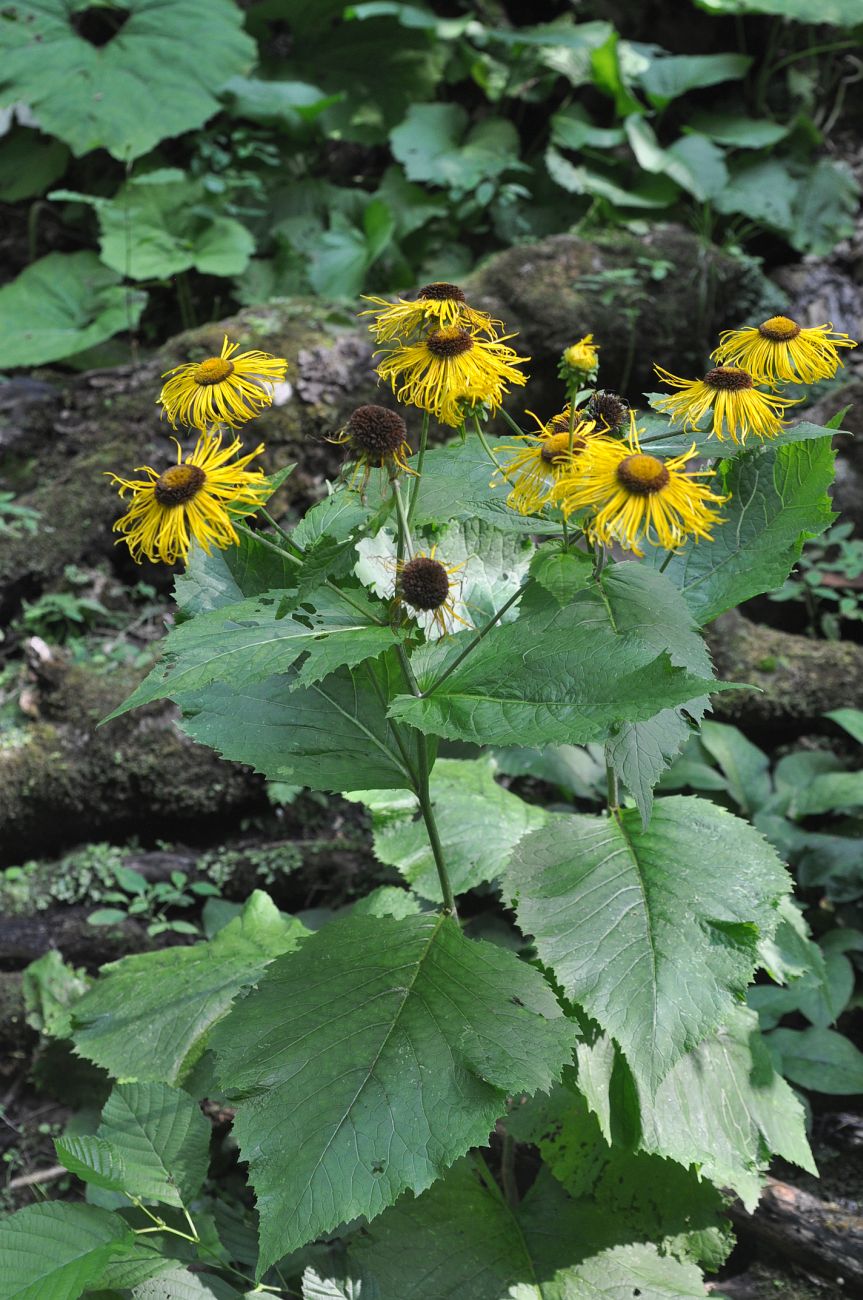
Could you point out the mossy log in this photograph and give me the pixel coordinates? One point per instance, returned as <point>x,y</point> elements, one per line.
<point>797,679</point>
<point>660,297</point>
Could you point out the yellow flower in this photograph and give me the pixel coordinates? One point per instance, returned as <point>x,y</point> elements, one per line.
<point>781,351</point>
<point>423,583</point>
<point>451,370</point>
<point>739,408</point>
<point>196,498</point>
<point>226,389</point>
<point>582,356</point>
<point>376,436</point>
<point>634,497</point>
<point>436,306</point>
<point>542,459</point>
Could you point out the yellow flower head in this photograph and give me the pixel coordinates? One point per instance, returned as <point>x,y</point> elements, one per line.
<point>376,436</point>
<point>739,408</point>
<point>781,351</point>
<point>582,356</point>
<point>436,306</point>
<point>635,497</point>
<point>542,459</point>
<point>226,389</point>
<point>450,370</point>
<point>423,583</point>
<point>196,498</point>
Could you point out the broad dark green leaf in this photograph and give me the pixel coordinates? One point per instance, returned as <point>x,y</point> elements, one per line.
<point>181,1284</point>
<point>55,1250</point>
<point>838,13</point>
<point>371,1059</point>
<point>820,1059</point>
<point>562,675</point>
<point>93,1160</point>
<point>629,1196</point>
<point>60,305</point>
<point>143,84</point>
<point>649,930</point>
<point>162,1139</point>
<point>148,1016</point>
<point>471,1243</point>
<point>778,500</point>
<point>226,577</point>
<point>243,643</point>
<point>674,74</point>
<point>479,822</point>
<point>325,736</point>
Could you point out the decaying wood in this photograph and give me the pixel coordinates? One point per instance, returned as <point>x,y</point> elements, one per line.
<point>823,1236</point>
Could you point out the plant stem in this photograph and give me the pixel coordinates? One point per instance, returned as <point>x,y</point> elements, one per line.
<point>415,493</point>
<point>488,451</point>
<point>613,793</point>
<point>427,810</point>
<point>665,563</point>
<point>405,541</point>
<point>473,643</point>
<point>265,541</point>
<point>511,422</point>
<point>277,528</point>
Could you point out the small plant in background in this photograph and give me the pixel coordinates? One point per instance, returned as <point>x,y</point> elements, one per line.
<point>539,600</point>
<point>16,520</point>
<point>828,581</point>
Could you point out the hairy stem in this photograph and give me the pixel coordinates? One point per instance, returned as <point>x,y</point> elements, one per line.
<point>415,493</point>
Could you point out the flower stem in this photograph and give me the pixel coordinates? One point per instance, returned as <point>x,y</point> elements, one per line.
<point>613,792</point>
<point>511,422</point>
<point>484,631</point>
<point>487,449</point>
<point>415,494</point>
<point>427,810</point>
<point>405,540</point>
<point>665,563</point>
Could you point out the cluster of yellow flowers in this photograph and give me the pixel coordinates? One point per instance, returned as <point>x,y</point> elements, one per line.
<point>442,355</point>
<point>576,462</point>
<point>207,490</point>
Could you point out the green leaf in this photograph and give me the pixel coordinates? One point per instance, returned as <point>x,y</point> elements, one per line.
<point>693,162</point>
<point>826,207</point>
<point>162,1139</point>
<point>51,989</point>
<point>471,1243</point>
<point>479,823</point>
<point>180,1284</point>
<point>819,1059</point>
<point>433,144</point>
<point>563,573</point>
<point>645,1197</point>
<point>148,1016</point>
<point>689,1119</point>
<point>778,500</point>
<point>55,1250</point>
<point>245,642</point>
<point>656,956</point>
<point>672,75</point>
<point>651,192</point>
<point>225,577</point>
<point>837,13</point>
<point>163,223</point>
<point>277,103</point>
<point>374,1057</point>
<point>29,163</point>
<point>145,83</point>
<point>349,1285</point>
<point>746,767</point>
<point>93,1160</point>
<point>60,305</point>
<point>560,675</point>
<point>571,128</point>
<point>760,190</point>
<point>339,260</point>
<point>740,132</point>
<point>823,1000</point>
<point>387,900</point>
<point>322,736</point>
<point>829,792</point>
<point>850,720</point>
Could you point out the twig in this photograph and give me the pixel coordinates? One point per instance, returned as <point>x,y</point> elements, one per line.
<point>41,1176</point>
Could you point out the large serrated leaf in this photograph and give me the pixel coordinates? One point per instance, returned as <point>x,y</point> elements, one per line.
<point>778,500</point>
<point>374,1057</point>
<point>149,1014</point>
<point>162,1139</point>
<point>479,823</point>
<point>651,931</point>
<point>242,643</point>
<point>143,83</point>
<point>325,736</point>
<point>472,1244</point>
<point>94,1160</point>
<point>181,1284</point>
<point>562,675</point>
<point>54,1250</point>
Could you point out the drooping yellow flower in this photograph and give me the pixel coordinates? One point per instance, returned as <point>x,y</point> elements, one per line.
<point>781,351</point>
<point>637,498</point>
<point>542,459</point>
<point>198,498</point>
<point>451,370</point>
<point>227,389</point>
<point>582,356</point>
<point>738,407</point>
<point>436,306</point>
<point>423,583</point>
